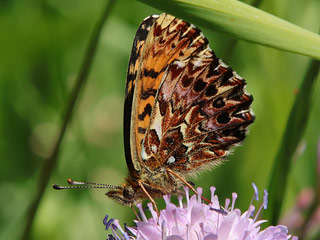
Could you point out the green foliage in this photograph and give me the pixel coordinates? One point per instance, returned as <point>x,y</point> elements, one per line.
<point>43,45</point>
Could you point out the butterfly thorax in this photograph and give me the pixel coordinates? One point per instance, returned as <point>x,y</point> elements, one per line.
<point>157,183</point>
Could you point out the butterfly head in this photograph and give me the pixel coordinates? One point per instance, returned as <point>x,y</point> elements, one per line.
<point>124,195</point>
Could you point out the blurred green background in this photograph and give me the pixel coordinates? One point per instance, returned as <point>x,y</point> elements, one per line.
<point>42,45</point>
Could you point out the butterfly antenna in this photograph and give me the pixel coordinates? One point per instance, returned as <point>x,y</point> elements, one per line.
<point>77,184</point>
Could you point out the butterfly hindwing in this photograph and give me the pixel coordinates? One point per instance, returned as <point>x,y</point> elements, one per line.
<point>200,110</point>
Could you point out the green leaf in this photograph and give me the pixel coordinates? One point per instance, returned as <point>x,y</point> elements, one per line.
<point>244,22</point>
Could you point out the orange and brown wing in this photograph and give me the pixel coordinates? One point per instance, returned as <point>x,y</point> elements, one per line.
<point>133,69</point>
<point>160,40</point>
<point>199,109</point>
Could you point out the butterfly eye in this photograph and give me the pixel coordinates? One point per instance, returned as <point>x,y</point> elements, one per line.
<point>128,192</point>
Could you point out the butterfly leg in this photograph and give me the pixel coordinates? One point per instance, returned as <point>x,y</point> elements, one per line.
<point>135,213</point>
<point>188,184</point>
<point>148,195</point>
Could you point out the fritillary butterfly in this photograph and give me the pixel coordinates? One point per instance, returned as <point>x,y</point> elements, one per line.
<point>184,109</point>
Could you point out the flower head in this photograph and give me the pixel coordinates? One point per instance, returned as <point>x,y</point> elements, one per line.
<point>199,221</point>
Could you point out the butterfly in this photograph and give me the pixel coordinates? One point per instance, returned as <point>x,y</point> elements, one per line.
<point>184,109</point>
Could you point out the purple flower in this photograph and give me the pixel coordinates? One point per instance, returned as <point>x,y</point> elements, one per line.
<point>195,220</point>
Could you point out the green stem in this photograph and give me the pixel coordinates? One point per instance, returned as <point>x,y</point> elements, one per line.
<point>52,160</point>
<point>294,131</point>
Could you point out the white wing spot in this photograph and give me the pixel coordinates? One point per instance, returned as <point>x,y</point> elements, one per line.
<point>180,64</point>
<point>154,148</point>
<point>243,112</point>
<point>222,64</point>
<point>237,75</point>
<point>144,155</point>
<point>197,63</point>
<point>171,159</point>
<point>157,125</point>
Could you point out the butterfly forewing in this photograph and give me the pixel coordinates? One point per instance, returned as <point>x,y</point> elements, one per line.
<point>167,39</point>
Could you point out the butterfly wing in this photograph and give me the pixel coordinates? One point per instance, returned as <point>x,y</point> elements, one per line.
<point>160,40</point>
<point>198,108</point>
